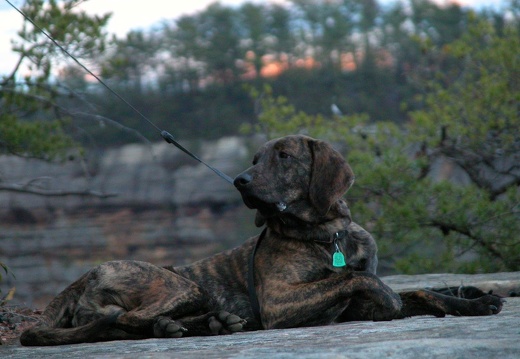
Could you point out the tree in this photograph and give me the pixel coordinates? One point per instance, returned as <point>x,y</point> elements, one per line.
<point>33,120</point>
<point>425,222</point>
<point>181,42</point>
<point>254,25</point>
<point>279,28</point>
<point>131,61</point>
<point>218,35</point>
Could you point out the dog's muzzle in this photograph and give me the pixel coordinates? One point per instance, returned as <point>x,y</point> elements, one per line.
<point>242,180</point>
<point>242,183</point>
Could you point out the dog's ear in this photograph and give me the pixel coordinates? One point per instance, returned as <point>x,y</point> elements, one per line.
<point>331,176</point>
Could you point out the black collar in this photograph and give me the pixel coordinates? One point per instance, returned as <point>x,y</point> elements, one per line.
<point>336,236</point>
<point>253,298</point>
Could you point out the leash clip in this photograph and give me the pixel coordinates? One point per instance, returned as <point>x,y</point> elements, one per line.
<point>170,139</point>
<point>340,235</point>
<point>167,137</point>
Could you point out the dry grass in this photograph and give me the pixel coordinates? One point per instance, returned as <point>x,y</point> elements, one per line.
<point>14,320</point>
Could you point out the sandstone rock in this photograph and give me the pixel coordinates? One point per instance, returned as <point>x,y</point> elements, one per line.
<point>419,337</point>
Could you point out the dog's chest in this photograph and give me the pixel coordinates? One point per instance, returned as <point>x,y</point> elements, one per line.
<point>295,262</point>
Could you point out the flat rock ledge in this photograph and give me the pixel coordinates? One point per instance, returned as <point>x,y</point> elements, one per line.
<point>495,336</point>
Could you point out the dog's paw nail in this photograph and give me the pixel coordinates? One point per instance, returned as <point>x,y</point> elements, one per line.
<point>493,308</point>
<point>214,325</point>
<point>164,322</point>
<point>233,319</point>
<point>235,327</point>
<point>223,315</point>
<point>176,333</point>
<point>168,328</point>
<point>174,330</point>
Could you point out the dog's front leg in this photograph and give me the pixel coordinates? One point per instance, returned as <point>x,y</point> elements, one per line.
<point>425,302</point>
<point>321,302</point>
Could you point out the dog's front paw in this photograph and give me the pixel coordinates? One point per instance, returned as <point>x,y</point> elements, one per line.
<point>488,304</point>
<point>165,327</point>
<point>388,306</point>
<point>226,323</point>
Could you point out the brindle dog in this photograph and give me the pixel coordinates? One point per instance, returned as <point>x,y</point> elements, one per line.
<point>296,185</point>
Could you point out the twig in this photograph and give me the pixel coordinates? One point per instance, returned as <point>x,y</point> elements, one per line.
<point>52,193</point>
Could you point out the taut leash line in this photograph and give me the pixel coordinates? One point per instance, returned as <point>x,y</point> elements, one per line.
<point>170,139</point>
<point>165,134</point>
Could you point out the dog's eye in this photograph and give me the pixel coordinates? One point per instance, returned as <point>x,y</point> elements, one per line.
<point>282,154</point>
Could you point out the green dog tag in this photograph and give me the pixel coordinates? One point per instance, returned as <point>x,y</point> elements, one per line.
<point>338,259</point>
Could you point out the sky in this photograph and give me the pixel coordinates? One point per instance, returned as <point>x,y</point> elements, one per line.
<point>131,14</point>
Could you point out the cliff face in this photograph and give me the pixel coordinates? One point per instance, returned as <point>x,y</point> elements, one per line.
<point>169,209</point>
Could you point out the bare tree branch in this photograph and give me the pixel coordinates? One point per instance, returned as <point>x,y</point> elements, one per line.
<point>53,193</point>
<point>446,227</point>
<point>103,120</point>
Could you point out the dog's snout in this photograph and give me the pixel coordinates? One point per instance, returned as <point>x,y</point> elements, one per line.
<point>242,180</point>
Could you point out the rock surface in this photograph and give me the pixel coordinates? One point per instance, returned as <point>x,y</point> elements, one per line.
<point>495,336</point>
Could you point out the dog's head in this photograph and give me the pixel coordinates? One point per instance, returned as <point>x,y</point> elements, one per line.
<point>295,176</point>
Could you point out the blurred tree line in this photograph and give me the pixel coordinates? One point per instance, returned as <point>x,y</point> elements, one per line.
<point>402,87</point>
<point>357,56</point>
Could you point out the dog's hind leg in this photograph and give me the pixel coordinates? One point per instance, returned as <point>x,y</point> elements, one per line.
<point>162,310</point>
<point>178,309</point>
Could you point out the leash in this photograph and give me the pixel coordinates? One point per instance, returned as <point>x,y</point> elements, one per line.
<point>164,134</point>
<point>253,298</point>
<point>169,138</point>
<point>338,260</point>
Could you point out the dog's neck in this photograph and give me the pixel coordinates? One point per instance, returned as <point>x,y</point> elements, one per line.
<point>337,219</point>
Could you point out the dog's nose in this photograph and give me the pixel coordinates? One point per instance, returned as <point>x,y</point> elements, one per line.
<point>242,180</point>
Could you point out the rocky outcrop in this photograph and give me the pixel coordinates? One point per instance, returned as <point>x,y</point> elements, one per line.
<point>419,337</point>
<point>139,174</point>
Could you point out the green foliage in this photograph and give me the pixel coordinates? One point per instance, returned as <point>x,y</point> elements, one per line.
<point>4,267</point>
<point>483,95</point>
<point>33,121</point>
<point>278,117</point>
<point>45,140</point>
<point>422,221</point>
